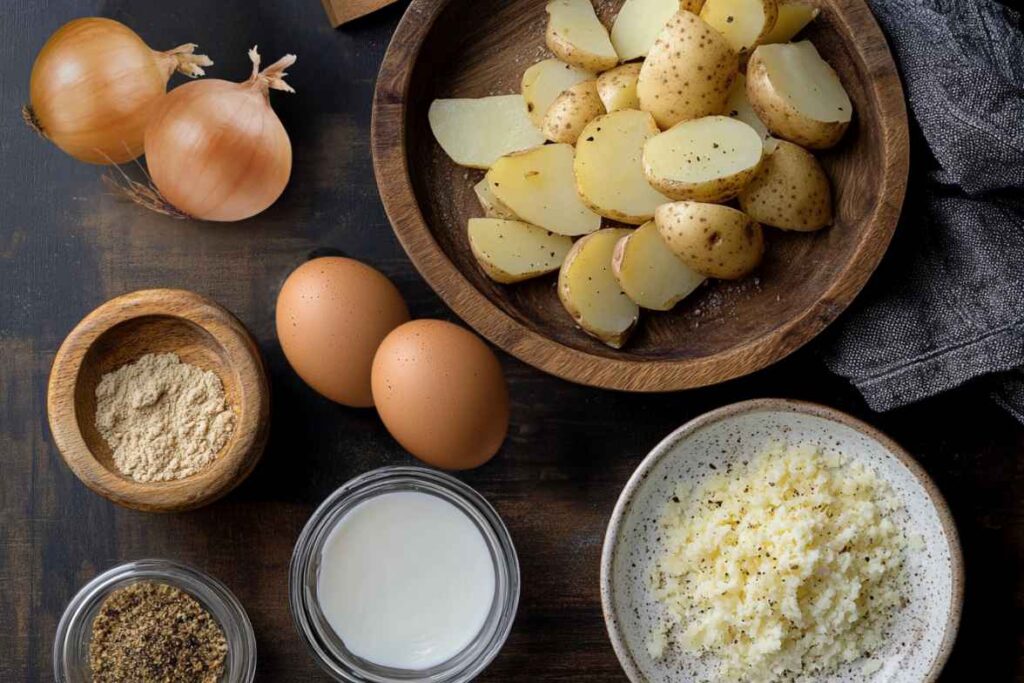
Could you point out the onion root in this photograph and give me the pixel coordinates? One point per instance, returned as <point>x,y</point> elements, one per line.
<point>144,194</point>
<point>28,115</point>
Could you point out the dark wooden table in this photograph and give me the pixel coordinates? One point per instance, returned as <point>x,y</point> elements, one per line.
<point>66,246</point>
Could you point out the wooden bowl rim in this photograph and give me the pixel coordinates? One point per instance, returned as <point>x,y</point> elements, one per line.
<point>230,468</point>
<point>610,543</point>
<point>398,196</point>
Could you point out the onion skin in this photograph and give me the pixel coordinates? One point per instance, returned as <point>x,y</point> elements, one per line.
<point>216,150</point>
<point>93,87</point>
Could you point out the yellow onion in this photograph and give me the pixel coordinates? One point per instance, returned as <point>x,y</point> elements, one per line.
<point>216,150</point>
<point>94,85</point>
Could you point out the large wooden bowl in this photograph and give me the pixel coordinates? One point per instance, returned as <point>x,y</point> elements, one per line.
<point>473,48</point>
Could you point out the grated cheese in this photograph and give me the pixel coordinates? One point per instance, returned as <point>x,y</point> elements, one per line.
<point>786,566</point>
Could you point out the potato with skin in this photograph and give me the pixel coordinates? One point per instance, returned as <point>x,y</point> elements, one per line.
<point>576,36</point>
<point>571,112</point>
<point>791,191</point>
<point>714,240</point>
<point>798,95</point>
<point>617,88</point>
<point>793,17</point>
<point>649,273</point>
<point>708,159</point>
<point>639,22</point>
<point>687,73</point>
<point>513,251</point>
<point>609,173</point>
<point>589,292</point>
<point>743,23</point>
<point>546,80</point>
<point>492,206</point>
<point>475,132</point>
<point>539,187</point>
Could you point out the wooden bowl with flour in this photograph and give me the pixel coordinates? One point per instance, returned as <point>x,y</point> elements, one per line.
<point>203,335</point>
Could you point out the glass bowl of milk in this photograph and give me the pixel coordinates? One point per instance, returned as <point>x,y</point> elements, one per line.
<point>404,574</point>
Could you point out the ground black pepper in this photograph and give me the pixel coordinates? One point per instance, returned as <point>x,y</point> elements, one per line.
<point>151,632</point>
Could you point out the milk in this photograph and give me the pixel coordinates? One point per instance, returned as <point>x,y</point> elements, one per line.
<point>406,580</point>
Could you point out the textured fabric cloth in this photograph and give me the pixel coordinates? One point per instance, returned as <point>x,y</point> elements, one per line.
<point>947,303</point>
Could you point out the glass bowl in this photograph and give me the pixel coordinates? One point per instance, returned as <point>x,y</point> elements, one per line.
<point>329,651</point>
<point>71,646</point>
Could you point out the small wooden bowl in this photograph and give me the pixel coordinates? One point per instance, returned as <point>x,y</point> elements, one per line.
<point>474,48</point>
<point>126,328</point>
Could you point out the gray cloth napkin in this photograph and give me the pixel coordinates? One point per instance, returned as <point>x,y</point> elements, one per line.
<point>947,303</point>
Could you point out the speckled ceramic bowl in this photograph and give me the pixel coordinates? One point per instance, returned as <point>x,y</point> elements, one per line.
<point>922,633</point>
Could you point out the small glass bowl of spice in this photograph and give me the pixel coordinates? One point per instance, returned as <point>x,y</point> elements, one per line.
<point>152,620</point>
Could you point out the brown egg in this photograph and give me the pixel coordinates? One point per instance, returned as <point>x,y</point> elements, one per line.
<point>332,314</point>
<point>441,393</point>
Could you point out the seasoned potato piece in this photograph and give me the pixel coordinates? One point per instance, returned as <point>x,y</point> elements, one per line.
<point>738,107</point>
<point>707,160</point>
<point>513,251</point>
<point>546,80</point>
<point>714,240</point>
<point>793,17</point>
<point>571,111</point>
<point>649,273</point>
<point>475,132</point>
<point>609,173</point>
<point>492,206</point>
<point>687,73</point>
<point>538,186</point>
<point>617,88</point>
<point>578,37</point>
<point>743,23</point>
<point>791,191</point>
<point>798,95</point>
<point>589,292</point>
<point>639,22</point>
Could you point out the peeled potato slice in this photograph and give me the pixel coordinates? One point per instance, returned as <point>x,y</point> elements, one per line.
<point>513,251</point>
<point>571,111</point>
<point>708,159</point>
<point>791,191</point>
<point>589,292</point>
<point>617,88</point>
<point>609,173</point>
<point>743,23</point>
<point>578,37</point>
<point>798,95</point>
<point>793,17</point>
<point>649,273</point>
<point>492,206</point>
<point>714,240</point>
<point>738,107</point>
<point>546,80</point>
<point>639,22</point>
<point>475,132</point>
<point>538,186</point>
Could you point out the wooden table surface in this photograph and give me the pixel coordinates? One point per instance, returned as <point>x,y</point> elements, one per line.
<point>66,246</point>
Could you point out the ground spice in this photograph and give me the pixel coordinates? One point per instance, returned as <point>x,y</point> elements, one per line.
<point>151,632</point>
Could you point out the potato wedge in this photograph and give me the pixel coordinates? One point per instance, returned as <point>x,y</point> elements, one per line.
<point>513,251</point>
<point>589,292</point>
<point>738,107</point>
<point>714,240</point>
<point>492,206</point>
<point>687,73</point>
<point>793,17</point>
<point>609,173</point>
<point>791,191</point>
<point>639,22</point>
<point>571,112</point>
<point>578,37</point>
<point>743,23</point>
<point>649,273</point>
<point>475,132</point>
<point>538,186</point>
<point>546,80</point>
<point>708,159</point>
<point>617,88</point>
<point>798,95</point>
